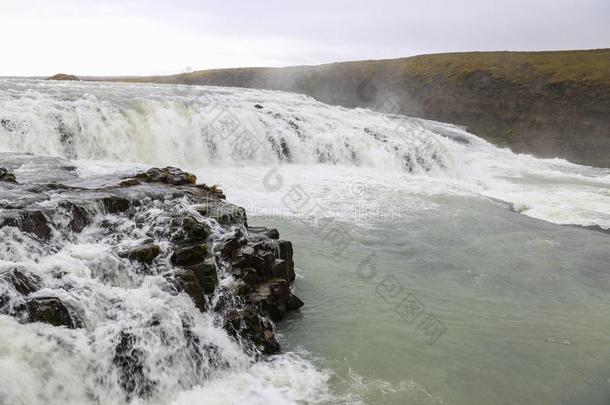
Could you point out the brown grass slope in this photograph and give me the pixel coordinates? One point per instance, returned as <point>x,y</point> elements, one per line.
<point>550,104</point>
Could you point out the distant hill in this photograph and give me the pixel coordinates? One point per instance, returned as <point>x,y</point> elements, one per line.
<point>63,76</point>
<point>545,103</point>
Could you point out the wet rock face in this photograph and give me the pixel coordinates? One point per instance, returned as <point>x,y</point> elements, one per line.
<point>7,176</point>
<point>224,214</point>
<point>191,229</point>
<point>186,281</point>
<point>197,247</point>
<point>22,281</point>
<point>115,204</point>
<point>79,218</point>
<point>143,254</point>
<point>32,221</point>
<point>53,311</point>
<point>17,283</point>
<point>203,251</point>
<point>168,175</point>
<point>189,255</point>
<point>248,324</point>
<point>207,275</point>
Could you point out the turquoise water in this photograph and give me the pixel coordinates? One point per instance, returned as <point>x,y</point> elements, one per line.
<point>525,305</point>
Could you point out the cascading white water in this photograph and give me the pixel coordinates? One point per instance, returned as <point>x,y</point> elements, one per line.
<point>137,341</point>
<point>197,127</point>
<point>193,127</point>
<point>233,136</point>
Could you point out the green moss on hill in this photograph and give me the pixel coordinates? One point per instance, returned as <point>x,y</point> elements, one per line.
<point>591,66</point>
<point>519,67</point>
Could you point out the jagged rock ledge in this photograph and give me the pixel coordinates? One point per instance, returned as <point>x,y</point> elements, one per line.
<point>260,264</point>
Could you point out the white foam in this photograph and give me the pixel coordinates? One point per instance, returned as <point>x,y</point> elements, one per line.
<point>214,131</point>
<point>283,379</point>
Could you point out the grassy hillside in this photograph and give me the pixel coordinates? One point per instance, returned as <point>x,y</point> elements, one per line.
<point>545,103</point>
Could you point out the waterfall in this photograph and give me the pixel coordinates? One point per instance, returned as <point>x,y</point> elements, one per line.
<point>197,126</point>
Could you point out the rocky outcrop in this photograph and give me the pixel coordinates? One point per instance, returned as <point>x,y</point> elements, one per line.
<point>24,304</point>
<point>193,251</point>
<point>168,175</point>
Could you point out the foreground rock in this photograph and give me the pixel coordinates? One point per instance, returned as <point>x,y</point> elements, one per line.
<point>193,249</point>
<point>53,311</point>
<point>144,254</point>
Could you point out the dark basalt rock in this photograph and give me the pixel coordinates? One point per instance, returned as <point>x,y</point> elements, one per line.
<point>227,246</point>
<point>7,176</point>
<point>7,125</point>
<point>168,175</point>
<point>249,325</point>
<point>275,298</point>
<point>217,191</point>
<point>223,213</point>
<point>285,252</point>
<point>24,282</point>
<point>242,288</point>
<point>36,223</point>
<point>206,274</point>
<point>248,275</point>
<point>79,216</point>
<point>294,303</point>
<point>115,204</point>
<point>248,257</point>
<point>187,281</point>
<point>130,182</point>
<point>30,221</point>
<point>189,255</point>
<point>143,254</point>
<point>281,269</point>
<point>260,263</point>
<point>264,257</point>
<point>53,311</point>
<point>191,229</point>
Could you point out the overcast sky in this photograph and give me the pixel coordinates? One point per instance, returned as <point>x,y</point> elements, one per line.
<point>113,37</point>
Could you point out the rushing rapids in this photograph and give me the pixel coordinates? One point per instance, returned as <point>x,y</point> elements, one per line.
<point>194,127</point>
<point>150,284</point>
<point>123,285</point>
